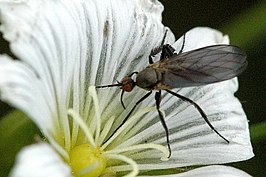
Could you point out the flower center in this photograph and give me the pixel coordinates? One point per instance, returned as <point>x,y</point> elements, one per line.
<point>90,159</point>
<point>86,161</point>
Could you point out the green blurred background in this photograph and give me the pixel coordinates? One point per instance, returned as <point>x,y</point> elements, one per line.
<point>245,23</point>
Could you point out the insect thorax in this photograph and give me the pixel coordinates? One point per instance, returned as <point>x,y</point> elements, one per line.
<point>148,78</point>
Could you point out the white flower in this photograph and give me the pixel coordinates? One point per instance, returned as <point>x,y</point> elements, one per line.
<point>64,47</point>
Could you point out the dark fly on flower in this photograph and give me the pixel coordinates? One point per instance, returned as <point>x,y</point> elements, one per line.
<point>198,67</point>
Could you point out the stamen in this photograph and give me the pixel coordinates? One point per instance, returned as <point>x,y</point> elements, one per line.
<point>82,125</point>
<point>107,127</point>
<point>135,129</point>
<point>66,128</point>
<point>97,117</point>
<point>159,147</point>
<point>130,121</point>
<point>135,168</point>
<point>59,149</point>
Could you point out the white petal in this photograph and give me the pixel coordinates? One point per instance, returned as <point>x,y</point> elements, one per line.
<point>39,160</point>
<point>192,141</point>
<point>200,37</point>
<point>66,46</point>
<point>17,88</point>
<point>215,171</point>
<point>211,171</point>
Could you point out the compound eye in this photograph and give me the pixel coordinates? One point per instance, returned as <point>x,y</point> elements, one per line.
<point>128,87</point>
<point>127,84</point>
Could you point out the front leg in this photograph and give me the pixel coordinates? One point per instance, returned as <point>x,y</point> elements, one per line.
<point>168,51</point>
<point>158,49</point>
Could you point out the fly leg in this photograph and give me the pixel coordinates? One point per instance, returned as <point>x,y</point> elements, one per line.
<point>158,49</point>
<point>183,44</point>
<point>158,101</point>
<point>167,52</point>
<point>123,91</point>
<point>124,121</point>
<point>121,99</point>
<point>202,113</point>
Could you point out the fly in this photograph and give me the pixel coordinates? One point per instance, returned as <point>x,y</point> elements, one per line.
<point>198,67</point>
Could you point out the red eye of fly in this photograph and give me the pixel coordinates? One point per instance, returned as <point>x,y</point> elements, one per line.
<point>127,84</point>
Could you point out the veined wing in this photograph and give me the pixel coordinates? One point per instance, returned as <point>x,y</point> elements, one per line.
<point>203,66</point>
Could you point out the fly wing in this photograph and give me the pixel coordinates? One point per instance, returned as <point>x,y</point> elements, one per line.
<point>203,66</point>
